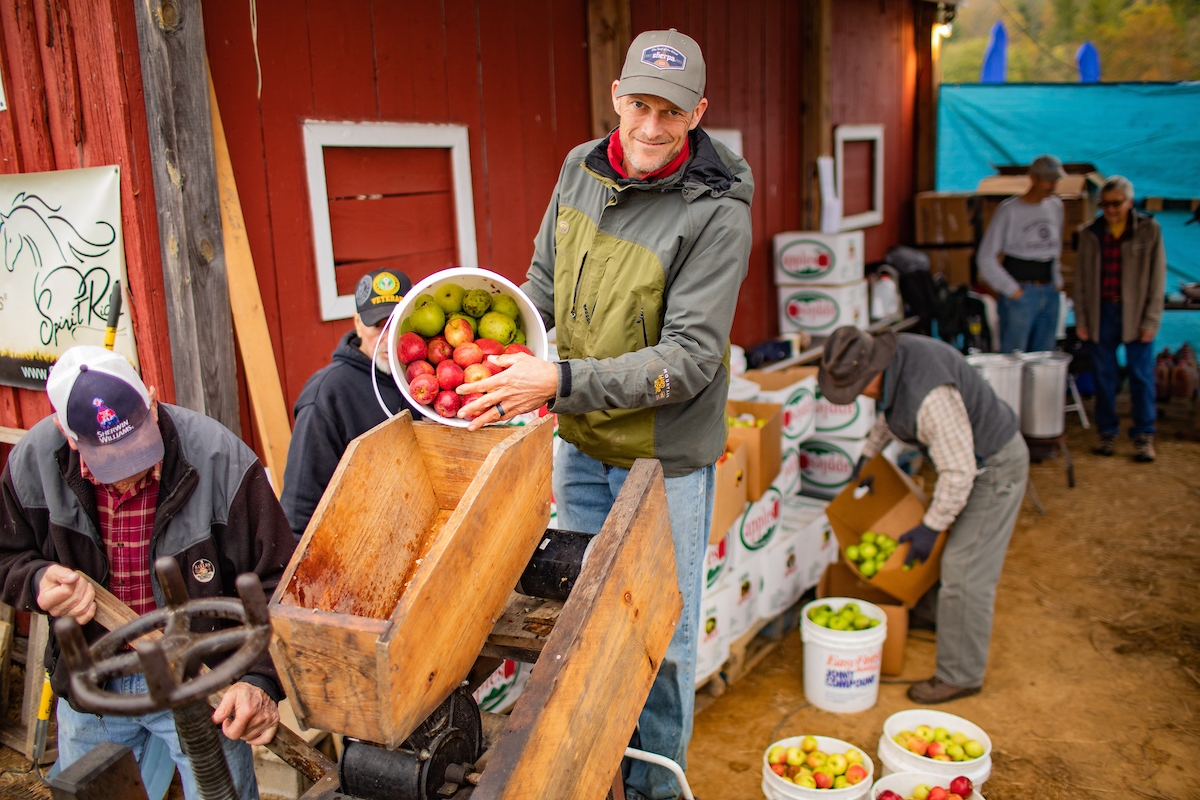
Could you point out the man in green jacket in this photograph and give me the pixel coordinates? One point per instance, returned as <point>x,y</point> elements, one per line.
<point>637,264</point>
<point>1122,268</point>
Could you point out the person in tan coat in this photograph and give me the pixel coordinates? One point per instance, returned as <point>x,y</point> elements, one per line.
<point>1121,276</point>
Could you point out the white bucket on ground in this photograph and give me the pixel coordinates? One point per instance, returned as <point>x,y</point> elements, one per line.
<point>903,783</point>
<point>776,788</point>
<point>899,759</point>
<point>841,668</point>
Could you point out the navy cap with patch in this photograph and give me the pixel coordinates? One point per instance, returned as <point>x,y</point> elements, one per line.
<point>378,292</point>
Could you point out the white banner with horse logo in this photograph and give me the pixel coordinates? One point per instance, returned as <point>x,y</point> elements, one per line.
<point>61,246</point>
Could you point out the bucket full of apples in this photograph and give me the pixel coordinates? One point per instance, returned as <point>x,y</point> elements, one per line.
<point>816,768</point>
<point>936,743</point>
<point>441,334</point>
<point>923,786</point>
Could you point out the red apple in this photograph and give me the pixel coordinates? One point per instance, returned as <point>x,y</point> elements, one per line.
<point>490,347</point>
<point>962,786</point>
<point>418,368</point>
<point>888,794</point>
<point>935,749</point>
<point>449,375</point>
<point>458,332</point>
<point>778,769</point>
<point>447,403</point>
<point>493,367</point>
<point>411,347</point>
<point>439,350</point>
<point>424,388</point>
<point>476,372</point>
<point>855,773</point>
<point>953,796</point>
<point>917,745</point>
<point>467,354</point>
<point>517,348</point>
<point>824,779</point>
<point>937,793</point>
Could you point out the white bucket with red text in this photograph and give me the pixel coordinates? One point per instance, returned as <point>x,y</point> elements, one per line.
<point>841,668</point>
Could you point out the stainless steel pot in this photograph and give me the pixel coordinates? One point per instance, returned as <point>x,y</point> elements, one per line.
<point>1043,394</point>
<point>1004,373</point>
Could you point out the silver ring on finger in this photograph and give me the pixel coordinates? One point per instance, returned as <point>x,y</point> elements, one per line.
<point>500,410</point>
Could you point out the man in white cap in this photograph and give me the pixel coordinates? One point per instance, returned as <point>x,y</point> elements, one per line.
<point>638,264</point>
<point>1027,231</point>
<point>111,482</point>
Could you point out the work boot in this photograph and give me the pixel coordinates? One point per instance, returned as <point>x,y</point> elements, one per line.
<point>1145,448</point>
<point>1105,448</point>
<point>935,690</point>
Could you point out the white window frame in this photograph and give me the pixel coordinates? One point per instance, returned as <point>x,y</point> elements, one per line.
<point>319,134</point>
<point>860,133</point>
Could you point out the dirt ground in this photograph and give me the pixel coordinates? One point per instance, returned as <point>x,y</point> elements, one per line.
<point>1093,681</point>
<point>1093,685</point>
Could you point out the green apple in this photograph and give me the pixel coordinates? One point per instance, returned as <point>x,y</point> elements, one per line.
<point>840,782</point>
<point>506,305</point>
<point>973,749</point>
<point>494,325</point>
<point>777,754</point>
<point>838,623</point>
<point>862,622</point>
<point>406,326</point>
<point>852,553</point>
<point>837,763</point>
<point>794,756</point>
<point>925,732</point>
<point>868,538</point>
<point>477,302</point>
<point>868,550</point>
<point>808,744</point>
<point>807,781</point>
<point>853,756</point>
<point>958,737</point>
<point>449,296</point>
<point>423,300</point>
<point>852,607</point>
<point>956,752</point>
<point>867,568</point>
<point>941,734</point>
<point>921,791</point>
<point>428,319</point>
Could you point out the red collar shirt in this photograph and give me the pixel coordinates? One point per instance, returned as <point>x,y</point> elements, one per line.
<point>126,523</point>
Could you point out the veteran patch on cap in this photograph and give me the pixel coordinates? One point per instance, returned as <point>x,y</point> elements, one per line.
<point>378,292</point>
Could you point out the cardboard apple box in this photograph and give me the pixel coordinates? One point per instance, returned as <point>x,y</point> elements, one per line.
<point>795,388</point>
<point>839,580</point>
<point>763,445</point>
<point>894,507</point>
<point>729,500</point>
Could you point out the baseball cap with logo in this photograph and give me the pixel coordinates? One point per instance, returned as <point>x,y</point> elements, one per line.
<point>1047,168</point>
<point>378,292</point>
<point>104,408</point>
<point>664,64</point>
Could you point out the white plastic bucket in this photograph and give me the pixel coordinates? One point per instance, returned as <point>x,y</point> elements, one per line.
<point>903,783</point>
<point>468,278</point>
<point>899,759</point>
<point>841,668</point>
<point>1003,372</point>
<point>776,788</point>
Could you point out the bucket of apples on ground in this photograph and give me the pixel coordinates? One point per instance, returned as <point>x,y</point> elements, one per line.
<point>936,743</point>
<point>816,768</point>
<point>441,334</point>
<point>923,786</point>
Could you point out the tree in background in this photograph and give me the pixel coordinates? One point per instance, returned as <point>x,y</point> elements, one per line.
<point>1138,40</point>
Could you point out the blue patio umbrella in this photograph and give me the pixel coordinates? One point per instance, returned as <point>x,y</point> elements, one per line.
<point>1087,59</point>
<point>995,60</point>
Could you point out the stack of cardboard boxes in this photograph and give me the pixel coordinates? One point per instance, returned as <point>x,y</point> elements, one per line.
<point>820,280</point>
<point>945,230</point>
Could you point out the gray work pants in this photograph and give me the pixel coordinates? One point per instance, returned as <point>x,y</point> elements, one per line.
<point>972,561</point>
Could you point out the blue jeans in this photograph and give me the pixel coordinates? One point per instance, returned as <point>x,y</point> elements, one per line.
<point>1029,323</point>
<point>78,733</point>
<point>584,492</point>
<point>1139,363</point>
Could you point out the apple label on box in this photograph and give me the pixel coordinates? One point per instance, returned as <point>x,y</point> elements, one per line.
<point>812,310</point>
<point>716,559</point>
<point>805,259</point>
<point>825,465</point>
<point>758,524</point>
<point>798,413</point>
<point>832,417</point>
<point>503,687</point>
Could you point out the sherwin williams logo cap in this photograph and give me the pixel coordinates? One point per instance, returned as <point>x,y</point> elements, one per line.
<point>798,413</point>
<point>760,520</point>
<point>812,310</point>
<point>824,465</point>
<point>806,259</point>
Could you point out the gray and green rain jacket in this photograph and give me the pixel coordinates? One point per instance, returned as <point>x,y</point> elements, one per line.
<point>641,281</point>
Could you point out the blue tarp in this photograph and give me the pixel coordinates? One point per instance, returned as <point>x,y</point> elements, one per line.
<point>1150,133</point>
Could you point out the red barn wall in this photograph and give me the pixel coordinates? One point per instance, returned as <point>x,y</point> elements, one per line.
<point>874,73</point>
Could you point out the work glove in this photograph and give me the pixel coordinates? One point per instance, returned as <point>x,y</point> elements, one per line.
<point>921,540</point>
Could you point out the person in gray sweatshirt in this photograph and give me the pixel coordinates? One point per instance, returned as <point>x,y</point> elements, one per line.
<point>1026,232</point>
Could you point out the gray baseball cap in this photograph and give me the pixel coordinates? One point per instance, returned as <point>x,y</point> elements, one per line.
<point>1047,168</point>
<point>664,64</point>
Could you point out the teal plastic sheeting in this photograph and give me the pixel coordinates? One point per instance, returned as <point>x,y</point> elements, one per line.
<point>1150,133</point>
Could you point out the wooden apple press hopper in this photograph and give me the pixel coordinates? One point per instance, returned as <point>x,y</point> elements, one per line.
<point>405,566</point>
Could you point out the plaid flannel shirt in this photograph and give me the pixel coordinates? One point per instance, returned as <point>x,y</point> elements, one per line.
<point>944,427</point>
<point>1110,265</point>
<point>126,522</point>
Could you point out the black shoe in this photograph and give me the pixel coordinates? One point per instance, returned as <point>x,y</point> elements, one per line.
<point>1105,447</point>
